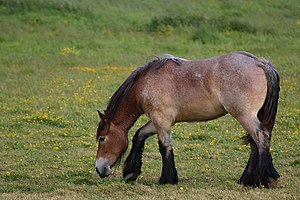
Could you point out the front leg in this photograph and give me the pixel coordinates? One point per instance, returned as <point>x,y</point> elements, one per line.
<point>162,123</point>
<point>169,172</point>
<point>133,163</point>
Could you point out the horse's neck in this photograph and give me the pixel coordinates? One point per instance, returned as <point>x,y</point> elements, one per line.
<point>127,114</point>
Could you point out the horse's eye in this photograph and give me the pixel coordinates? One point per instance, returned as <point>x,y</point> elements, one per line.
<point>102,138</point>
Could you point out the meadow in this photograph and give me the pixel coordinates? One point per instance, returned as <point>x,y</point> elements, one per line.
<point>60,61</point>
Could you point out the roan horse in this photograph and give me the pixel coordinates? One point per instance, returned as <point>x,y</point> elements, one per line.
<point>170,90</point>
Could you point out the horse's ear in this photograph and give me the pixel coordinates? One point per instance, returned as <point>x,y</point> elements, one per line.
<point>102,116</point>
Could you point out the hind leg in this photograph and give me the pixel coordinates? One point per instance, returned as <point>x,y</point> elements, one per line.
<point>267,171</point>
<point>260,168</point>
<point>250,176</point>
<point>133,163</point>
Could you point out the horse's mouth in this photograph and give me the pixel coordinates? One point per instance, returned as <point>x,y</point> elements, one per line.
<point>105,173</point>
<point>102,175</point>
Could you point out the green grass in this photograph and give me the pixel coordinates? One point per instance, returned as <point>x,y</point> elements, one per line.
<point>60,61</point>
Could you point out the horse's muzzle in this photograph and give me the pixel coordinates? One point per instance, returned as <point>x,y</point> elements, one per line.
<point>103,167</point>
<point>102,175</point>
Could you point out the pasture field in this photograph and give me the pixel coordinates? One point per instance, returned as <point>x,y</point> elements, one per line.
<point>61,60</point>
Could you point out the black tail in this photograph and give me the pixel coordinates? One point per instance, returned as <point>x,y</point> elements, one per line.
<point>267,113</point>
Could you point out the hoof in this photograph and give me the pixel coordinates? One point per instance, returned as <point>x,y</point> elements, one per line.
<point>247,184</point>
<point>271,183</point>
<point>173,181</point>
<point>249,180</point>
<point>131,177</point>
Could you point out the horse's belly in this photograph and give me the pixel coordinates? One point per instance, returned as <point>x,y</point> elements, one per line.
<point>200,112</point>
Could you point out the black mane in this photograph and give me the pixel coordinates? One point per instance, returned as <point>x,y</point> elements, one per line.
<point>124,90</point>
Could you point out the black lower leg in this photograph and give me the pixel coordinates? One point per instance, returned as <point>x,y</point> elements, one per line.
<point>268,173</point>
<point>260,168</point>
<point>133,162</point>
<point>169,172</point>
<point>250,175</point>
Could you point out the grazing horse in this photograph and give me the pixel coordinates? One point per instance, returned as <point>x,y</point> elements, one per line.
<point>170,90</point>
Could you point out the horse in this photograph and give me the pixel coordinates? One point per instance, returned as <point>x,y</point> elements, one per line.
<point>170,90</point>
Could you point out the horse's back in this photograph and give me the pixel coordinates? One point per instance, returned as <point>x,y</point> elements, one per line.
<point>203,89</point>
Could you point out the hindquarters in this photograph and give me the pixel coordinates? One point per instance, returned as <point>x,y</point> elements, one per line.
<point>261,158</point>
<point>254,105</point>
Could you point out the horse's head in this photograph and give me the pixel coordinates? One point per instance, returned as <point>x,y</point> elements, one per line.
<point>112,145</point>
